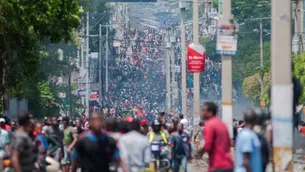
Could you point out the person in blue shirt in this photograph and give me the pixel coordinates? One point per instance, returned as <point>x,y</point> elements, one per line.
<point>248,148</point>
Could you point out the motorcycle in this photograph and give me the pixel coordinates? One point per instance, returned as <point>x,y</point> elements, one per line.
<point>159,153</point>
<point>6,163</point>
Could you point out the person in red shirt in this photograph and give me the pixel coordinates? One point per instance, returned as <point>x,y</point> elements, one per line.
<point>217,140</point>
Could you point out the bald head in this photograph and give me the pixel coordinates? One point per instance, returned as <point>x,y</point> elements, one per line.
<point>95,114</point>
<point>250,117</point>
<point>95,122</point>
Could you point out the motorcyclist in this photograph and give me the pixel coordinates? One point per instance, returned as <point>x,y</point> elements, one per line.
<point>157,134</point>
<point>158,141</point>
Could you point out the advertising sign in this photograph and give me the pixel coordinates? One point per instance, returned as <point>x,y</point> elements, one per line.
<point>81,92</point>
<point>196,55</point>
<point>226,40</point>
<point>94,95</point>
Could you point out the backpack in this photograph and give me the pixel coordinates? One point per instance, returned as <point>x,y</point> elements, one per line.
<point>265,153</point>
<point>179,149</point>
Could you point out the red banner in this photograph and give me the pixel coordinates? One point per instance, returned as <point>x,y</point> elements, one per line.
<point>93,95</point>
<point>196,55</point>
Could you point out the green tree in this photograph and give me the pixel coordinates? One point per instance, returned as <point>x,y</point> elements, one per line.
<point>251,87</point>
<point>247,60</point>
<point>299,72</point>
<point>25,27</point>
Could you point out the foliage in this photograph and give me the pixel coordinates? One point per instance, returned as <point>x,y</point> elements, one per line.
<point>299,72</point>
<point>251,86</point>
<point>211,51</point>
<point>245,10</point>
<point>25,26</point>
<point>43,103</point>
<point>267,82</point>
<point>247,60</point>
<point>215,4</point>
<point>204,38</point>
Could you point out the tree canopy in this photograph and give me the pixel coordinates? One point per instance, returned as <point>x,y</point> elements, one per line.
<point>251,87</point>
<point>26,26</point>
<point>30,37</point>
<point>299,72</point>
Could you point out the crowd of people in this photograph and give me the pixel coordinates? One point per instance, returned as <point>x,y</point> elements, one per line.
<point>129,144</point>
<point>134,131</point>
<point>94,143</point>
<point>137,82</point>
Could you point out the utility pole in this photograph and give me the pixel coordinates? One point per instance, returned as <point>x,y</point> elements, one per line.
<point>87,62</point>
<point>70,94</point>
<point>173,68</point>
<point>183,63</point>
<point>168,87</point>
<point>196,85</point>
<point>261,60</point>
<point>168,81</point>
<point>82,49</point>
<point>282,87</point>
<point>107,49</point>
<point>69,86</point>
<point>226,79</point>
<point>261,55</point>
<point>298,25</point>
<point>100,96</point>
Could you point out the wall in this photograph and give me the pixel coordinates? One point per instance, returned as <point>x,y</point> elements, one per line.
<point>16,107</point>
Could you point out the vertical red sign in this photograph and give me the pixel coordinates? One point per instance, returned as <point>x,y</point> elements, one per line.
<point>94,95</point>
<point>196,55</point>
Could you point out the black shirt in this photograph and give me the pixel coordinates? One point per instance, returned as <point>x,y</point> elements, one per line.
<point>95,153</point>
<point>79,130</point>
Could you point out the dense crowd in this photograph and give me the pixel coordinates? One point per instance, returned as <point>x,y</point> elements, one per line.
<point>101,143</point>
<point>137,83</point>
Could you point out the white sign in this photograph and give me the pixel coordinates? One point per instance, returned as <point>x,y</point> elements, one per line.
<point>163,69</point>
<point>226,40</point>
<point>94,55</point>
<point>116,43</point>
<point>177,69</point>
<point>81,92</point>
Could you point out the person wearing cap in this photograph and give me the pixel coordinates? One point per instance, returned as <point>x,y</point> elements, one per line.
<point>144,126</point>
<point>3,125</point>
<point>4,144</point>
<point>60,122</point>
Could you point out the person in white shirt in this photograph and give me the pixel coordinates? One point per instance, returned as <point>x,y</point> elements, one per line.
<point>134,147</point>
